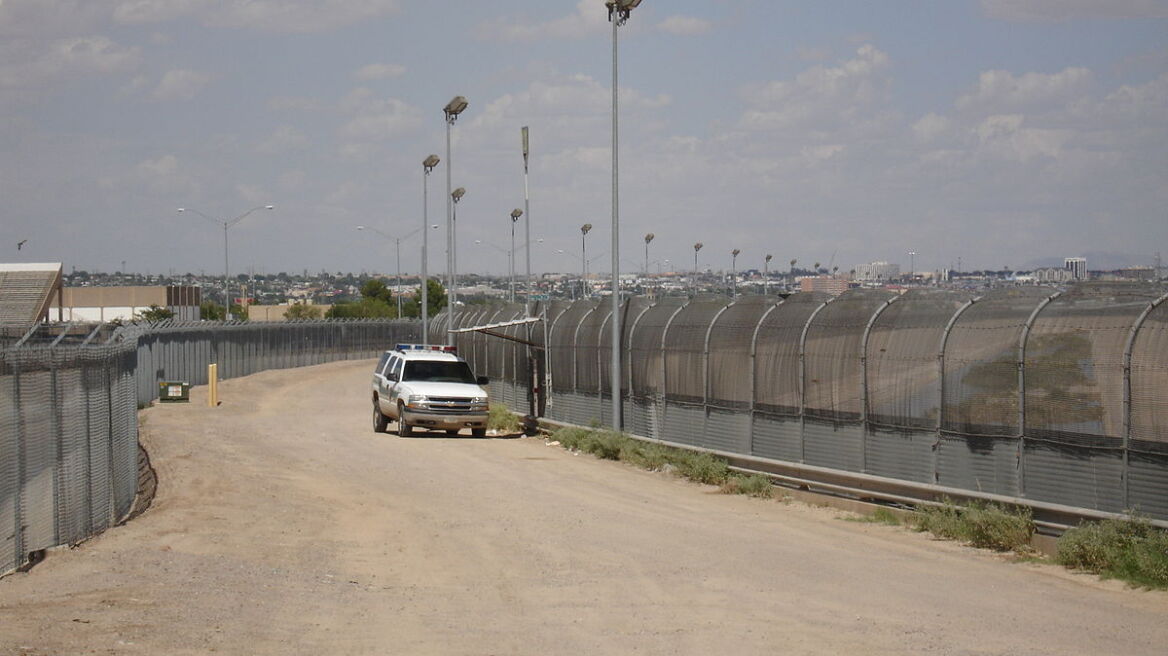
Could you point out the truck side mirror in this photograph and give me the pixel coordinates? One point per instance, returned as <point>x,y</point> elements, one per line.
<point>483,381</point>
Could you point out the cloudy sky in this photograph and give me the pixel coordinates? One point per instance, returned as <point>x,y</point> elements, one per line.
<point>1002,132</point>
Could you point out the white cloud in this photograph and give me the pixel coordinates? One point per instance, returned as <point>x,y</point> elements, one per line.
<point>179,84</point>
<point>263,15</point>
<point>1062,10</point>
<point>285,138</point>
<point>821,96</point>
<point>1003,91</point>
<point>36,66</point>
<point>375,119</point>
<point>379,71</point>
<point>589,17</point>
<point>684,25</point>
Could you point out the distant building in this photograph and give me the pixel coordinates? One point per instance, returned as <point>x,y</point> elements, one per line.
<point>102,304</point>
<point>1052,274</point>
<point>877,272</point>
<point>826,284</point>
<point>1077,266</point>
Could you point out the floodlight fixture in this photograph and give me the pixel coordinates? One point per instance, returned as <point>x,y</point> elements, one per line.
<point>454,108</point>
<point>586,228</point>
<point>457,194</point>
<point>649,237</point>
<point>430,162</point>
<point>515,214</point>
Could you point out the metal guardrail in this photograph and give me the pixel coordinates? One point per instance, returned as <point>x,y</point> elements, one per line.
<point>1051,518</point>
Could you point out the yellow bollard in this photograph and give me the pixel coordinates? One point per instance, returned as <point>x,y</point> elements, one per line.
<point>212,385</point>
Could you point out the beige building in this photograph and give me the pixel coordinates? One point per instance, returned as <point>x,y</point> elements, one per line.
<point>102,304</point>
<point>827,284</point>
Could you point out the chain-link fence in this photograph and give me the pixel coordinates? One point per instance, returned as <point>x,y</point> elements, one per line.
<point>1026,392</point>
<point>68,409</point>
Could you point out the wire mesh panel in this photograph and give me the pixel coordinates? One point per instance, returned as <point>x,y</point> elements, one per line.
<point>73,479</point>
<point>1074,394</point>
<point>645,359</point>
<point>1149,383</point>
<point>777,389</point>
<point>1074,368</point>
<point>631,310</point>
<point>685,349</point>
<point>980,382</point>
<point>587,348</point>
<point>904,386</point>
<point>10,547</point>
<point>977,462</point>
<point>729,366</point>
<point>833,373</point>
<point>40,454</point>
<point>778,437</point>
<point>1147,489</point>
<point>562,345</point>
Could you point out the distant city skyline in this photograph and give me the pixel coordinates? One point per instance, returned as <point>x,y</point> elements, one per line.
<point>1000,133</point>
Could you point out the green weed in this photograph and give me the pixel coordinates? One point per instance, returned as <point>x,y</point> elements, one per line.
<point>1130,550</point>
<point>985,525</point>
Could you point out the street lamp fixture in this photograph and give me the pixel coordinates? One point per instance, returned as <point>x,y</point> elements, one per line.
<point>515,214</point>
<point>454,108</point>
<point>226,261</point>
<point>451,112</point>
<point>452,294</point>
<point>428,165</point>
<point>584,230</point>
<point>734,273</point>
<point>648,238</point>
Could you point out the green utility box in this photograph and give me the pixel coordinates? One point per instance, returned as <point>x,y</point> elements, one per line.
<point>174,392</point>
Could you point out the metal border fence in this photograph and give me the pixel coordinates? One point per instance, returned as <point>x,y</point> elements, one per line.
<point>1029,392</point>
<point>68,409</point>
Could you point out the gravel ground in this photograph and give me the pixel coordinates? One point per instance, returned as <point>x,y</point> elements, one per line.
<point>284,525</point>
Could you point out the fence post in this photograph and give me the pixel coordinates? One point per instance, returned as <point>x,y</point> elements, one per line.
<point>754,371</point>
<point>941,378</point>
<point>660,423</point>
<point>803,379</point>
<point>864,389</point>
<point>1127,400</point>
<point>1022,390</point>
<point>706,368</point>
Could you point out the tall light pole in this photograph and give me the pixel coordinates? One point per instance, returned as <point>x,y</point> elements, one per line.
<point>515,214</point>
<point>618,14</point>
<point>697,247</point>
<point>648,238</point>
<point>526,225</point>
<point>766,274</point>
<point>428,165</point>
<point>452,293</point>
<point>451,111</point>
<point>226,261</point>
<point>912,265</point>
<point>397,243</point>
<point>734,273</point>
<point>584,256</point>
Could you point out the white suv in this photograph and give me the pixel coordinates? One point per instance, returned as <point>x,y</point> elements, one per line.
<point>428,387</point>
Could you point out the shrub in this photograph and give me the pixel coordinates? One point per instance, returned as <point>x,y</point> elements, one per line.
<point>754,485</point>
<point>985,525</point>
<point>702,467</point>
<point>502,419</point>
<point>1131,550</point>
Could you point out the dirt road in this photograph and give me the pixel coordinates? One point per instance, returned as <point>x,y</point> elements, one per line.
<point>283,525</point>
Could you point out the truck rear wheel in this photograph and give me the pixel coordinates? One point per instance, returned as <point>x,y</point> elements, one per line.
<point>380,421</point>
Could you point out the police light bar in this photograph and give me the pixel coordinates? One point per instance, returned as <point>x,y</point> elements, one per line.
<point>444,348</point>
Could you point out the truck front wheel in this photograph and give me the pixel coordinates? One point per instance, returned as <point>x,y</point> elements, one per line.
<point>403,429</point>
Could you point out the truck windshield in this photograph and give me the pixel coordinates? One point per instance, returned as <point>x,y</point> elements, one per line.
<point>438,372</point>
